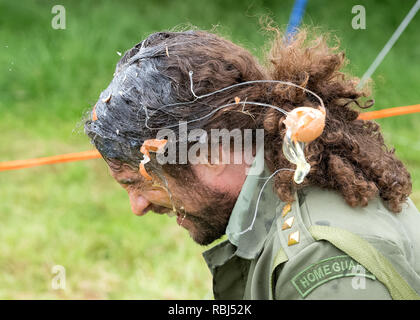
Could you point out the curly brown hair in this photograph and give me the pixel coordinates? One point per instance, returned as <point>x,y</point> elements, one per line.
<point>350,156</point>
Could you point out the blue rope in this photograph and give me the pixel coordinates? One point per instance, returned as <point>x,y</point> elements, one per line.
<point>295,17</point>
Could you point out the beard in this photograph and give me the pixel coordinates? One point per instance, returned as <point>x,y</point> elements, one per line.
<point>210,222</point>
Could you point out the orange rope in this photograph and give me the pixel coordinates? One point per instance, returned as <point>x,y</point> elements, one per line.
<point>20,164</point>
<point>389,112</point>
<point>94,154</point>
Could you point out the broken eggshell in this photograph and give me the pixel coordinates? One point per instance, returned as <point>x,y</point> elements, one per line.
<point>305,123</point>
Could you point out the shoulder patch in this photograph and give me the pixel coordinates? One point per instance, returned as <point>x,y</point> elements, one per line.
<point>325,270</point>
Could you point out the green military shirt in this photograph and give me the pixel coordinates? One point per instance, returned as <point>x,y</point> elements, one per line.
<point>317,248</point>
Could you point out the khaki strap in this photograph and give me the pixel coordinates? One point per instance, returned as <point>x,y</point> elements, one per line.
<point>278,260</point>
<point>364,253</point>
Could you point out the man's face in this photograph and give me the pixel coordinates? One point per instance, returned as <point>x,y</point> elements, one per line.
<point>200,209</point>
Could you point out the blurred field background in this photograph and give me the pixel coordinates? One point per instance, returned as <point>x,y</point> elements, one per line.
<point>74,214</point>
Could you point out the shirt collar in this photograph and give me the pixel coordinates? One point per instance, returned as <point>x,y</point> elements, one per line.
<point>248,225</point>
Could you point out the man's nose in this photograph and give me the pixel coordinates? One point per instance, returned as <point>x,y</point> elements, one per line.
<point>139,204</point>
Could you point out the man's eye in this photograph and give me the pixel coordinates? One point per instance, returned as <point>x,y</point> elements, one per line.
<point>128,182</point>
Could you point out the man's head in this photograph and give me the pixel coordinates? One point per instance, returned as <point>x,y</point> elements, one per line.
<point>202,199</point>
<point>153,74</point>
<point>156,87</point>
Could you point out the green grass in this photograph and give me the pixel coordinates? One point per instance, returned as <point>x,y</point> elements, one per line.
<point>74,214</point>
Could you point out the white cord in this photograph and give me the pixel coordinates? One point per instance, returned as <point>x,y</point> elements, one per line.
<point>258,201</point>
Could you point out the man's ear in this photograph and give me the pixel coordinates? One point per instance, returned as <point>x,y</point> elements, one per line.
<point>214,166</point>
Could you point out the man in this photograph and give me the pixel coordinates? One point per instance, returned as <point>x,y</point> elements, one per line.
<point>348,231</point>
